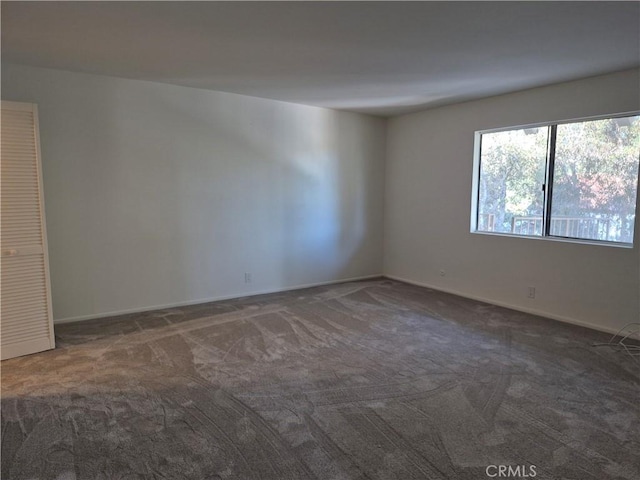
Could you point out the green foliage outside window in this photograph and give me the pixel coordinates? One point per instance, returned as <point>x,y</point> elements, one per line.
<point>587,171</point>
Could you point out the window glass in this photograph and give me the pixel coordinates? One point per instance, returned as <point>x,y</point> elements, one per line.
<point>575,180</point>
<point>512,171</point>
<point>596,180</point>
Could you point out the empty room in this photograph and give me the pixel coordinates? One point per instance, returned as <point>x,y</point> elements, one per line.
<point>320,240</point>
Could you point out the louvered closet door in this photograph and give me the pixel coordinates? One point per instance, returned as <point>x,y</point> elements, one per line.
<point>25,311</point>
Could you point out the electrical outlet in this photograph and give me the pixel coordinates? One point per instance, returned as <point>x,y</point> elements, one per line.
<point>532,292</point>
<point>247,278</point>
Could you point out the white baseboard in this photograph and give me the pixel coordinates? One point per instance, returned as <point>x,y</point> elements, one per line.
<point>210,299</point>
<point>518,308</point>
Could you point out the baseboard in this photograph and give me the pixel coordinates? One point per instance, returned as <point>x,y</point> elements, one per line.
<point>518,308</point>
<point>533,311</point>
<point>210,299</point>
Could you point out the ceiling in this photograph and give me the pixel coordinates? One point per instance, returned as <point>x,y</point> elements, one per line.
<point>382,58</point>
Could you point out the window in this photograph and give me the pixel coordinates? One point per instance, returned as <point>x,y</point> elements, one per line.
<point>575,180</point>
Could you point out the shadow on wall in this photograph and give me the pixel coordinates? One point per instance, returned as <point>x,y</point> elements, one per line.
<point>180,192</point>
<point>280,190</point>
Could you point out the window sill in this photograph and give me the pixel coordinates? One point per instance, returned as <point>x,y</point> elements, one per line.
<point>558,239</point>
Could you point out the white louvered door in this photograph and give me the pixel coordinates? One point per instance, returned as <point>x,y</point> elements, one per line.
<point>26,322</point>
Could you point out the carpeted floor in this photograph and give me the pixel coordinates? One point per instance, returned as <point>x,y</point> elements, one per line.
<point>363,380</point>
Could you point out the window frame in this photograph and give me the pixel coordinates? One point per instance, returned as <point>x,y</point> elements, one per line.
<point>548,185</point>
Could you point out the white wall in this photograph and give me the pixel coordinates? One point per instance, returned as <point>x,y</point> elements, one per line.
<point>428,204</point>
<point>159,195</point>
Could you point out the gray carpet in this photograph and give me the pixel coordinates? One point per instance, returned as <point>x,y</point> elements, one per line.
<point>363,380</point>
